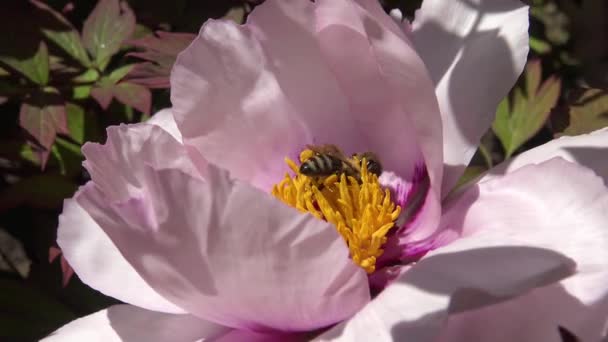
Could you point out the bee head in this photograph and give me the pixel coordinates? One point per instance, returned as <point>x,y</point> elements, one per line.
<point>373,164</point>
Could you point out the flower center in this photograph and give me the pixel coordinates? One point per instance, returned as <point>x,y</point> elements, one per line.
<point>360,209</point>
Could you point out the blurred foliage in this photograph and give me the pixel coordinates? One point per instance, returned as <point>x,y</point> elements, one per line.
<point>66,74</point>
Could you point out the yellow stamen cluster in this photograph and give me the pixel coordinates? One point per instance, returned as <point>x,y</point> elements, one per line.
<point>362,212</point>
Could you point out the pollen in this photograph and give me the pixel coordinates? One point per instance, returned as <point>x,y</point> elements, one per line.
<point>361,210</point>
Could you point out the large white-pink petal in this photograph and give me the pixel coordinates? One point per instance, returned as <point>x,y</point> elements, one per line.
<point>468,273</point>
<point>164,119</point>
<point>475,51</point>
<point>126,323</point>
<point>578,304</point>
<point>268,88</point>
<point>99,264</point>
<point>118,165</point>
<point>563,207</point>
<point>231,254</point>
<point>524,230</point>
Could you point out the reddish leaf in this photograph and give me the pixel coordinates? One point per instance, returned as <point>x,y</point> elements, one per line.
<point>134,95</point>
<point>66,271</point>
<point>160,50</point>
<point>43,115</point>
<point>103,95</point>
<point>106,28</point>
<point>150,75</point>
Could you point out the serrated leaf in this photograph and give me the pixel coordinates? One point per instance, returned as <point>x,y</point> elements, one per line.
<point>59,30</point>
<point>43,116</point>
<point>34,67</point>
<point>160,51</point>
<point>533,77</point>
<point>107,27</point>
<point>134,95</point>
<point>588,113</point>
<point>528,111</point>
<point>41,191</point>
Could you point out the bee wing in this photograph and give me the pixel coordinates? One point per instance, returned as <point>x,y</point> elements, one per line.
<point>328,149</point>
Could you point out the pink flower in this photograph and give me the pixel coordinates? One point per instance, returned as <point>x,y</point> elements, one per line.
<point>178,221</point>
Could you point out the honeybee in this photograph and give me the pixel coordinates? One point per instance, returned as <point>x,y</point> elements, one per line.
<point>329,160</point>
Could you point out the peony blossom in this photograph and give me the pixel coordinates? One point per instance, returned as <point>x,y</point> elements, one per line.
<point>202,221</point>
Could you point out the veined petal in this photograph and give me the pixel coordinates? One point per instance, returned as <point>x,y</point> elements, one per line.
<point>117,166</point>
<point>99,264</point>
<point>578,304</point>
<point>556,205</point>
<point>468,273</point>
<point>126,323</point>
<point>526,230</point>
<point>475,51</point>
<point>268,88</point>
<point>164,119</point>
<point>222,250</point>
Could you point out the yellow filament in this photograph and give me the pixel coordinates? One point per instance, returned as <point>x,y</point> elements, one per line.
<point>362,212</point>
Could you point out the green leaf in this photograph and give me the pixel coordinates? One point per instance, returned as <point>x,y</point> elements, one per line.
<point>533,77</point>
<point>540,46</point>
<point>89,76</point>
<point>518,121</point>
<point>501,122</point>
<point>40,191</point>
<point>76,121</point>
<point>118,74</point>
<point>68,157</point>
<point>589,112</point>
<point>106,28</point>
<point>470,173</point>
<point>59,30</point>
<point>34,67</point>
<point>81,92</point>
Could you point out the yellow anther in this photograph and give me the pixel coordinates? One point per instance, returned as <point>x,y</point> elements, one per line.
<point>362,211</point>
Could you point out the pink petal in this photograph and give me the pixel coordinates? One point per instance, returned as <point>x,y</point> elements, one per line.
<point>118,165</point>
<point>126,323</point>
<point>523,230</point>
<point>223,250</point>
<point>589,150</point>
<point>100,265</point>
<point>555,205</point>
<point>387,84</point>
<point>164,119</point>
<point>250,336</point>
<point>247,96</point>
<point>578,304</point>
<point>475,51</point>
<point>468,273</point>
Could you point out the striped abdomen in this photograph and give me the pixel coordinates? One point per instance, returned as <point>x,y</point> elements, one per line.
<point>321,165</point>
